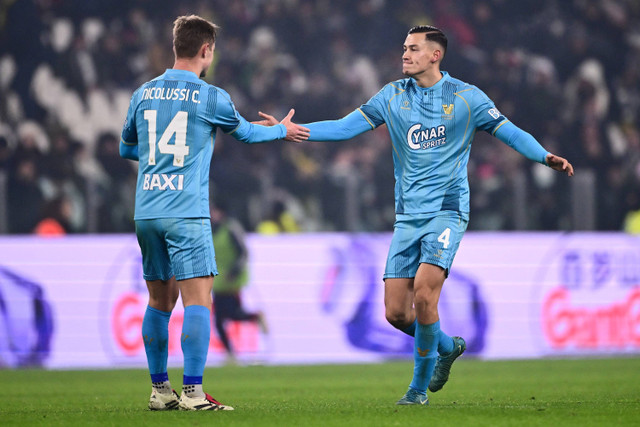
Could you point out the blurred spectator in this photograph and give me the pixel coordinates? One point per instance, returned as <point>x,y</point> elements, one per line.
<point>278,221</point>
<point>5,154</point>
<point>27,49</point>
<point>115,207</point>
<point>55,218</point>
<point>24,196</point>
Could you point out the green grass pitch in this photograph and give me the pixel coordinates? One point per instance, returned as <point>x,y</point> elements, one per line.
<point>582,392</point>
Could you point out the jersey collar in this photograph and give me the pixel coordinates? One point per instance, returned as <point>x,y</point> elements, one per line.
<point>173,74</point>
<point>437,86</point>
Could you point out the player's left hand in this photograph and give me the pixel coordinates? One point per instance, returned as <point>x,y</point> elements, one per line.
<point>267,120</point>
<point>559,163</point>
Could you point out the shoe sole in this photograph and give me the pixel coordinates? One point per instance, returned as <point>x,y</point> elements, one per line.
<point>412,403</point>
<point>170,407</point>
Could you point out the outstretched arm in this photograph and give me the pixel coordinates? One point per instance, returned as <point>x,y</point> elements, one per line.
<point>347,127</point>
<point>527,145</point>
<point>267,130</point>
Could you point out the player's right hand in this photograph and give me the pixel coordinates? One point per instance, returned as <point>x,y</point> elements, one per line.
<point>295,133</point>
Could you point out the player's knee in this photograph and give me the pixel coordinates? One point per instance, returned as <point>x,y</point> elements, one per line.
<point>163,304</point>
<point>398,318</point>
<point>426,298</point>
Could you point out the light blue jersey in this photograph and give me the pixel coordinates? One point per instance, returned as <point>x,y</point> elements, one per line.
<point>172,121</point>
<point>431,131</point>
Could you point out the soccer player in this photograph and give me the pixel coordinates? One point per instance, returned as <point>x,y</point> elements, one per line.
<point>432,118</point>
<point>170,129</point>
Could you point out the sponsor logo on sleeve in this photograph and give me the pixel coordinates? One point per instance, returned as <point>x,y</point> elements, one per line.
<point>494,113</point>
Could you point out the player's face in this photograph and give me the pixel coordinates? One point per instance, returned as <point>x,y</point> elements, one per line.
<point>418,54</point>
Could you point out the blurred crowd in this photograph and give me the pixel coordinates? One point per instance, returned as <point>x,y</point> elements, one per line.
<point>567,71</point>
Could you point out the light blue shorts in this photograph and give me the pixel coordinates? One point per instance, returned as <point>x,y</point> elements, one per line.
<point>181,247</point>
<point>431,239</point>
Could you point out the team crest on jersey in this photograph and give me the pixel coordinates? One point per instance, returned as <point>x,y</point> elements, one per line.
<point>423,139</point>
<point>448,109</point>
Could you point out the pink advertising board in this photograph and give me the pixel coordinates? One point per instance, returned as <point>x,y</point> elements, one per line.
<point>78,301</point>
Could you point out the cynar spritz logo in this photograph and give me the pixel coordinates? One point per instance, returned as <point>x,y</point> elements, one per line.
<point>423,139</point>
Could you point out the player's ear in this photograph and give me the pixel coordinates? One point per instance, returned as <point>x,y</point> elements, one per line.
<point>207,47</point>
<point>435,57</point>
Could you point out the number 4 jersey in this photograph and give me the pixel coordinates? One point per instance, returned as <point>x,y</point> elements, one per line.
<point>431,130</point>
<point>173,120</point>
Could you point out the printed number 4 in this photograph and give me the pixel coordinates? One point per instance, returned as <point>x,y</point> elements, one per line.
<point>444,237</point>
<point>177,126</point>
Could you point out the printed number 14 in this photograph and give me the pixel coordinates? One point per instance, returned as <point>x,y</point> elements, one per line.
<point>177,126</point>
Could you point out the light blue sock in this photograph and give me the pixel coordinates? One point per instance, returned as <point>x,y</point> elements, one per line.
<point>424,354</point>
<point>196,331</point>
<point>155,334</point>
<point>445,342</point>
<point>411,329</point>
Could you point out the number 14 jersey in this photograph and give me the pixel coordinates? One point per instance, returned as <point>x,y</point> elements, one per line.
<point>173,119</point>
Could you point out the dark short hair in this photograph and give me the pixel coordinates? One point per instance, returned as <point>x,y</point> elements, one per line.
<point>190,33</point>
<point>432,33</point>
